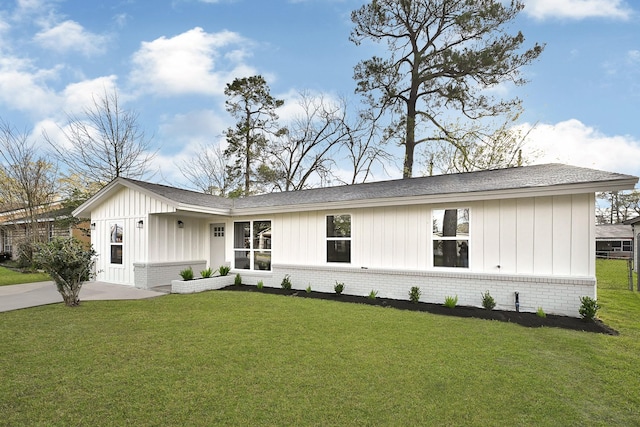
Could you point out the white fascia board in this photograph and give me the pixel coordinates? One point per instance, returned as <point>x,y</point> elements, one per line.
<point>446,198</point>
<point>204,210</point>
<point>84,210</point>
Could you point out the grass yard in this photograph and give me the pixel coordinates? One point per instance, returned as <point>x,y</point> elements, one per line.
<point>10,277</point>
<point>239,358</point>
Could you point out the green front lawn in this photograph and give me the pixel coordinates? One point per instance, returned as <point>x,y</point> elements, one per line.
<point>236,358</point>
<point>11,277</point>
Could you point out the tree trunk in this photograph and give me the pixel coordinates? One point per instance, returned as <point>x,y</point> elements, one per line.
<point>450,247</point>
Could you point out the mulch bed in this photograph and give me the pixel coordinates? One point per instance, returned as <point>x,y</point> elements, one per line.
<point>530,320</point>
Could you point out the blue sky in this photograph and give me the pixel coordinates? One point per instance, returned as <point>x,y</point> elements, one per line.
<point>170,61</point>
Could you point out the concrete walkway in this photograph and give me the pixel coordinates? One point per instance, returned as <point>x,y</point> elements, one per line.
<point>14,297</point>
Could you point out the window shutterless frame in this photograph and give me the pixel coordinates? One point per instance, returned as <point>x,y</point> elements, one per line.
<point>338,238</point>
<point>450,237</point>
<point>252,245</point>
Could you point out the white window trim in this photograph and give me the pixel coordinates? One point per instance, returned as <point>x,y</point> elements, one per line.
<point>251,249</point>
<point>121,244</point>
<point>468,240</point>
<point>328,239</point>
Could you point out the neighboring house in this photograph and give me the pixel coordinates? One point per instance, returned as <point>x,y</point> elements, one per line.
<point>527,230</point>
<point>614,241</point>
<point>634,223</point>
<point>16,227</point>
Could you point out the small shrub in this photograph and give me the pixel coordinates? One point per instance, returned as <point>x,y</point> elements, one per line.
<point>541,313</point>
<point>487,301</point>
<point>308,290</point>
<point>206,273</point>
<point>286,282</point>
<point>414,294</point>
<point>373,294</point>
<point>187,274</point>
<point>69,264</point>
<point>451,302</point>
<point>338,288</point>
<point>260,284</point>
<point>588,309</point>
<point>224,270</point>
<point>238,280</point>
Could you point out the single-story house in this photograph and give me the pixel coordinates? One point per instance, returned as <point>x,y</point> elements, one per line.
<point>614,241</point>
<point>634,223</point>
<point>17,227</point>
<point>525,233</point>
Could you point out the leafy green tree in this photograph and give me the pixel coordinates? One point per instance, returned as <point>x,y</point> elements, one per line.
<point>250,102</point>
<point>442,55</point>
<point>69,264</point>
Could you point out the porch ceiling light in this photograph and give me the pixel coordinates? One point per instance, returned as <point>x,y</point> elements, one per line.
<point>180,224</point>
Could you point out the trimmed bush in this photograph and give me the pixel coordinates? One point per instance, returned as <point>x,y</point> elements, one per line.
<point>487,301</point>
<point>69,264</point>
<point>588,309</point>
<point>286,282</point>
<point>414,294</point>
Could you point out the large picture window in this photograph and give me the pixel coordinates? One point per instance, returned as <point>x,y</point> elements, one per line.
<point>252,245</point>
<point>116,233</point>
<point>339,238</point>
<point>451,238</point>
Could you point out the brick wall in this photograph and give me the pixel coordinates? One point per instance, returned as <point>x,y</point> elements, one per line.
<point>555,295</point>
<point>149,274</point>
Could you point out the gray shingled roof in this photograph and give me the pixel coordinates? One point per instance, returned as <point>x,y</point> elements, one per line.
<point>499,179</point>
<point>186,197</point>
<point>526,177</point>
<point>614,232</point>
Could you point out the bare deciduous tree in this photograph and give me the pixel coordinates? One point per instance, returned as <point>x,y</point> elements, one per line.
<point>306,150</point>
<point>479,147</point>
<point>105,142</point>
<point>207,171</point>
<point>29,182</point>
<point>364,149</point>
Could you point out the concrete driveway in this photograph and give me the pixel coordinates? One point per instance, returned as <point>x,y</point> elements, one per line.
<point>14,297</point>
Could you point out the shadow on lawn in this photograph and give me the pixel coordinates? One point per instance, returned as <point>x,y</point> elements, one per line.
<point>530,320</point>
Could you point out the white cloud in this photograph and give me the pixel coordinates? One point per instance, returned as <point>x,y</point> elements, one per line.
<point>70,36</point>
<point>23,87</point>
<point>577,9</point>
<point>633,56</point>
<point>572,142</point>
<point>187,63</point>
<point>80,95</point>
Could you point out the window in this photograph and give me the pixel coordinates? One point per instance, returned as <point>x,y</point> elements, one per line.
<point>451,238</point>
<point>339,238</point>
<point>116,236</point>
<point>218,231</point>
<point>252,245</point>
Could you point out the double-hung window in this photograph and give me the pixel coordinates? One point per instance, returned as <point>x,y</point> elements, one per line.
<point>116,232</point>
<point>451,238</point>
<point>252,245</point>
<point>339,238</point>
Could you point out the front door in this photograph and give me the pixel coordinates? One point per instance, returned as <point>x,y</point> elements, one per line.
<point>217,245</point>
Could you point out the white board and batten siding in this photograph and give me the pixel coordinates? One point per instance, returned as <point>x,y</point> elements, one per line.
<point>126,207</point>
<point>533,236</point>
<point>515,244</point>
